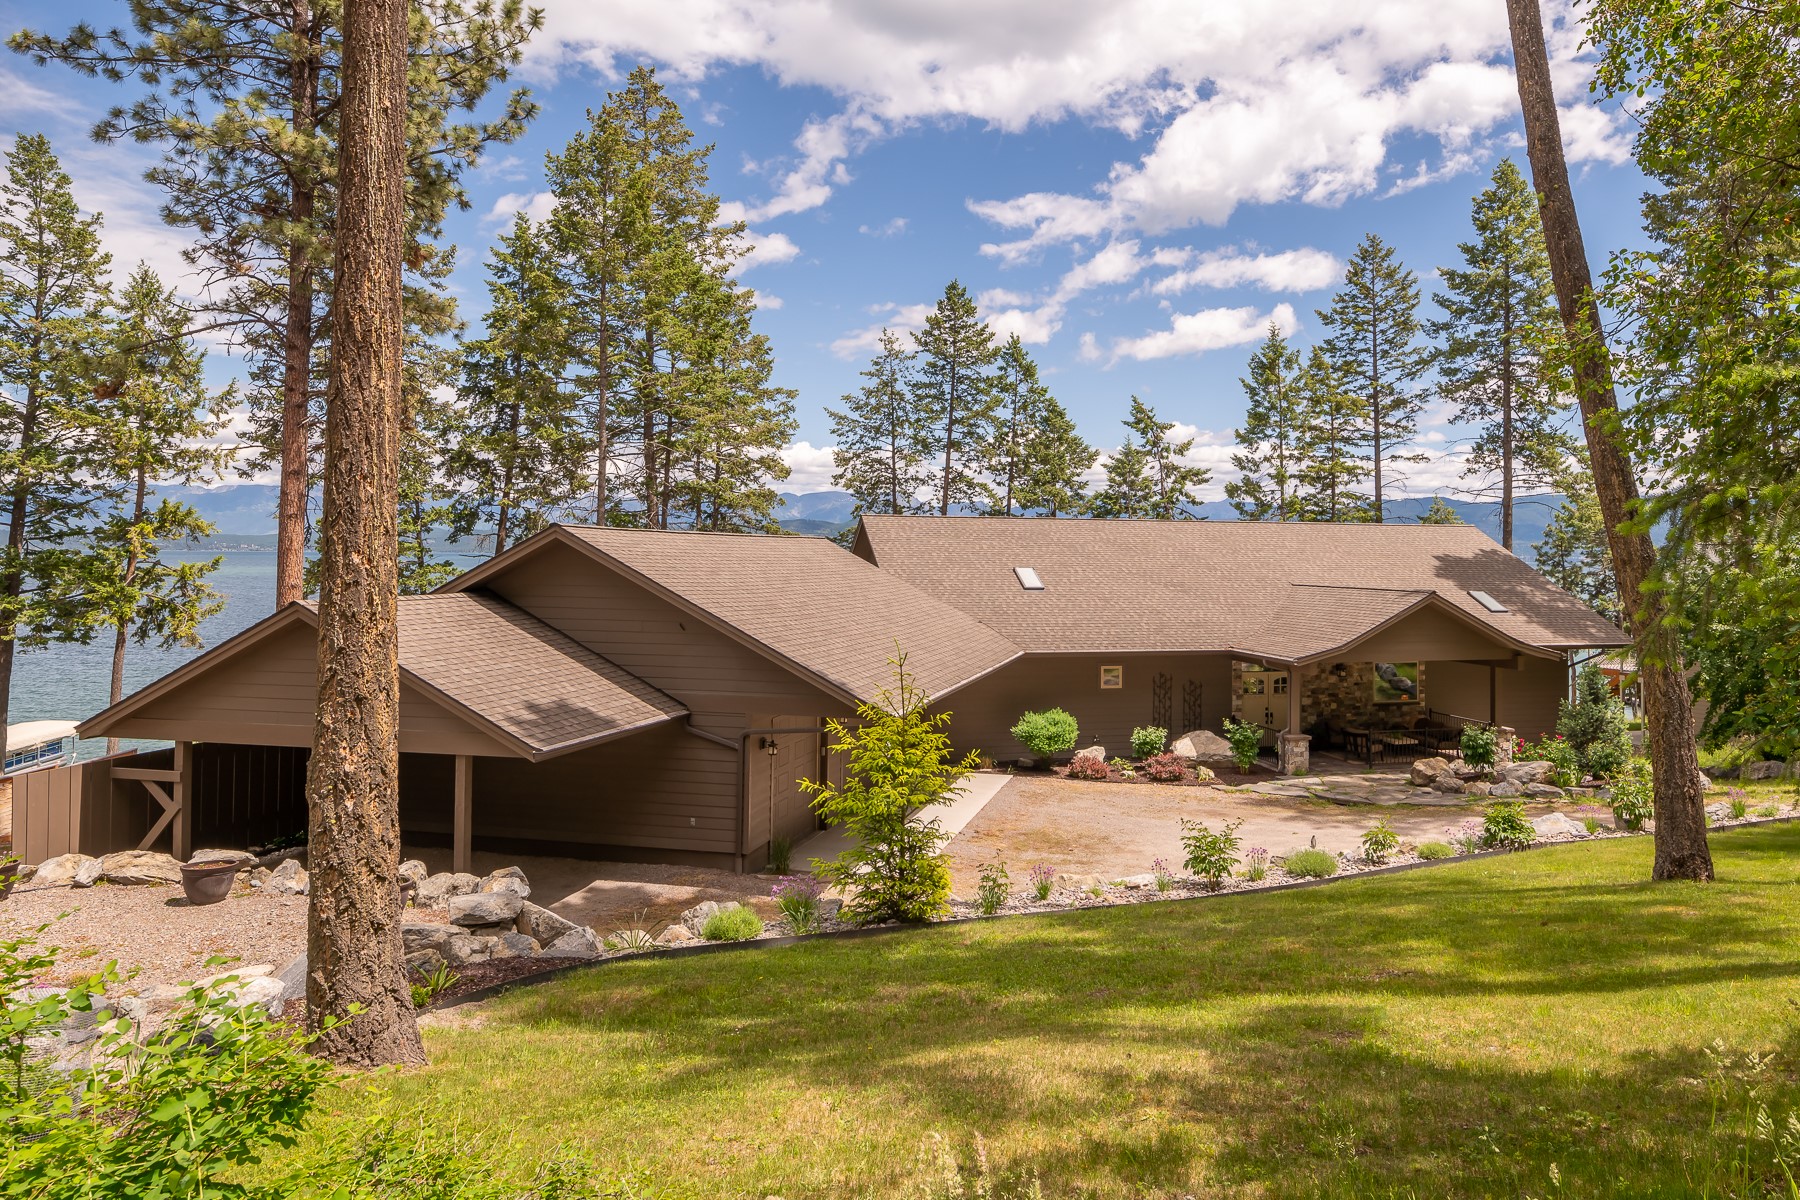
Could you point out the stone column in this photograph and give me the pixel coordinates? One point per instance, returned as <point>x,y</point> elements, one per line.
<point>1293,753</point>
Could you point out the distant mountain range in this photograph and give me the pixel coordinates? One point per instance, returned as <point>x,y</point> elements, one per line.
<point>244,514</point>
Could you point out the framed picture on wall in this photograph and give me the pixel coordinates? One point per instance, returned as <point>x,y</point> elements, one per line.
<point>1396,683</point>
<point>1112,677</point>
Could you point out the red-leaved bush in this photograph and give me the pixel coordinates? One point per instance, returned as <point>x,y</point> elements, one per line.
<point>1162,768</point>
<point>1089,767</point>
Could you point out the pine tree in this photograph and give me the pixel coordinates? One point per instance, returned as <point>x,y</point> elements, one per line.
<point>245,101</point>
<point>1272,444</point>
<point>881,440</point>
<point>1173,483</point>
<point>53,329</point>
<point>1440,513</point>
<point>1129,493</point>
<point>158,418</point>
<point>512,457</point>
<point>1499,313</point>
<point>1021,402</point>
<point>1373,344</point>
<point>1334,468</point>
<point>954,391</point>
<point>1056,458</point>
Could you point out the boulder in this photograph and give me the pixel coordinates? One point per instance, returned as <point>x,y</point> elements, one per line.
<point>435,890</point>
<point>829,908</point>
<point>1718,812</point>
<point>485,908</point>
<point>1203,774</point>
<point>293,978</point>
<point>1503,790</point>
<point>262,990</point>
<point>1763,770</point>
<point>1554,825</point>
<point>64,870</point>
<point>1025,764</point>
<point>1098,753</point>
<point>1542,791</point>
<point>464,949</point>
<point>1200,743</point>
<point>139,866</point>
<point>540,923</point>
<point>1449,784</point>
<point>288,879</point>
<point>696,917</point>
<point>582,942</point>
<point>424,963</point>
<point>259,878</point>
<point>1479,788</point>
<point>243,858</point>
<point>674,935</point>
<point>1471,774</point>
<point>515,945</point>
<point>236,975</point>
<point>1427,771</point>
<point>1138,882</point>
<point>1523,773</point>
<point>1076,883</point>
<point>426,935</point>
<point>414,870</point>
<point>506,879</point>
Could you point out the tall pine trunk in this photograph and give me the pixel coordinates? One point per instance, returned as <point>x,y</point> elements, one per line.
<point>1681,850</point>
<point>12,585</point>
<point>121,631</point>
<point>297,335</point>
<point>355,965</point>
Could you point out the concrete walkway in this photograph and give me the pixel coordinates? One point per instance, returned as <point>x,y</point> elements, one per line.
<point>977,790</point>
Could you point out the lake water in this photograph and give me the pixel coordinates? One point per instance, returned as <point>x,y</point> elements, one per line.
<point>70,682</point>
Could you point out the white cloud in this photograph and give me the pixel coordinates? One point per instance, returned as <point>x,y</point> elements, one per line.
<point>1302,270</point>
<point>887,229</point>
<point>1198,332</point>
<point>809,467</point>
<point>1034,326</point>
<point>767,250</point>
<point>536,205</point>
<point>19,95</point>
<point>900,318</point>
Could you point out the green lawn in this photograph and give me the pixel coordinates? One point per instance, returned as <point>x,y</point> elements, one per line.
<point>1448,1032</point>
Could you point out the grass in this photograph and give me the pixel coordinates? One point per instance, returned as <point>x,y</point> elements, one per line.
<point>1533,1024</point>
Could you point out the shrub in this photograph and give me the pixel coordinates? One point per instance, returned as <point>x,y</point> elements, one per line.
<point>1148,740</point>
<point>1041,876</point>
<point>1504,827</point>
<point>427,987</point>
<point>1480,745</point>
<point>1123,767</point>
<point>797,898</point>
<point>732,925</point>
<point>1246,743</point>
<point>1727,758</point>
<point>1310,864</point>
<point>1634,794</point>
<point>1256,864</point>
<point>1165,878</point>
<point>1379,842</point>
<point>1467,837</point>
<point>1554,749</point>
<point>1595,725</point>
<point>994,889</point>
<point>1163,768</point>
<point>1432,851</point>
<point>899,764</point>
<point>1210,856</point>
<point>1089,767</point>
<point>781,854</point>
<point>1767,810</point>
<point>1047,733</point>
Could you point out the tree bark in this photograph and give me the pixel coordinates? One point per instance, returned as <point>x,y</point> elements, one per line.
<point>297,335</point>
<point>1681,849</point>
<point>353,945</point>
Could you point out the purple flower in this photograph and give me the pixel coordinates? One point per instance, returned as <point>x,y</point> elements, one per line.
<point>1042,874</point>
<point>799,887</point>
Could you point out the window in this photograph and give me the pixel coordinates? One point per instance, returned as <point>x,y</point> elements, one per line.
<point>1486,601</point>
<point>1112,677</point>
<point>1028,579</point>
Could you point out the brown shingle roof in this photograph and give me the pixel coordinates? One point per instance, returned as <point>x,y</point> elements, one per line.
<point>1282,590</point>
<point>531,682</point>
<point>813,604</point>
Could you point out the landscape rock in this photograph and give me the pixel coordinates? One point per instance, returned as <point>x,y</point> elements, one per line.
<point>515,945</point>
<point>424,963</point>
<point>1763,770</point>
<point>1523,773</point>
<point>62,871</point>
<point>829,908</point>
<point>1449,784</point>
<point>581,942</point>
<point>1138,882</point>
<point>288,879</point>
<point>674,935</point>
<point>1504,790</point>
<point>485,908</point>
<point>464,949</point>
<point>1025,764</point>
<point>1427,771</point>
<point>242,858</point>
<point>139,866</point>
<point>1480,788</point>
<point>1718,812</point>
<point>435,890</point>
<point>1076,883</point>
<point>426,935</point>
<point>1203,774</point>
<point>1098,753</point>
<point>414,870</point>
<point>506,879</point>
<point>1552,825</point>
<point>1200,743</point>
<point>293,979</point>
<point>1542,791</point>
<point>696,917</point>
<point>538,922</point>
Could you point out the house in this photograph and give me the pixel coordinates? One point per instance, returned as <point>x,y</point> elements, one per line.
<point>654,695</point>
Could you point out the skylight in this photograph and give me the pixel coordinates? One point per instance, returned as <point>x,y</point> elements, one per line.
<point>1028,579</point>
<point>1486,601</point>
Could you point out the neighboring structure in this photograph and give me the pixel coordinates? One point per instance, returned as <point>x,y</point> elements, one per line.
<point>654,695</point>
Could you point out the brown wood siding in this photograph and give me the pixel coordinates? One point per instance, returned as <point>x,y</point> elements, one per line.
<point>775,798</point>
<point>1528,695</point>
<point>1427,635</point>
<point>244,796</point>
<point>663,788</point>
<point>82,809</point>
<point>983,714</point>
<point>266,696</point>
<point>651,638</point>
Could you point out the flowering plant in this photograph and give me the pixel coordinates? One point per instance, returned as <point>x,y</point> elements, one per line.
<point>797,896</point>
<point>1041,876</point>
<point>1256,863</point>
<point>1165,878</point>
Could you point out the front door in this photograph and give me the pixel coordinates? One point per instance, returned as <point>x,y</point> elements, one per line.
<point>1265,698</point>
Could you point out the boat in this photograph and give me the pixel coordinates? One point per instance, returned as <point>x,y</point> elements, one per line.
<point>32,745</point>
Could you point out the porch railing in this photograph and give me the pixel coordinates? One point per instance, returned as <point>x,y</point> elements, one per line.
<point>1439,734</point>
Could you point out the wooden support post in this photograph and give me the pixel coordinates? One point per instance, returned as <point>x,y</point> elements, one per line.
<point>462,853</point>
<point>181,829</point>
<point>1493,694</point>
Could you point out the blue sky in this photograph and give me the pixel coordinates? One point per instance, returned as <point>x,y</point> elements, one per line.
<point>1135,188</point>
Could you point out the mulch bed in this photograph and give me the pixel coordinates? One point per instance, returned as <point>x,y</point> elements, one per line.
<point>475,976</point>
<point>1224,774</point>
